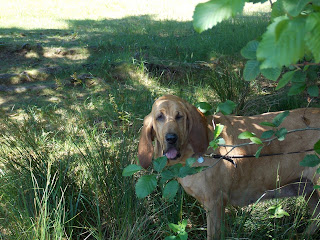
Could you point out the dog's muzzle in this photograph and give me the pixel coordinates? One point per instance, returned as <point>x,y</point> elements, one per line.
<point>171,152</point>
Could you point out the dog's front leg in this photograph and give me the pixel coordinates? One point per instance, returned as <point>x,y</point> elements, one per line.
<point>215,213</point>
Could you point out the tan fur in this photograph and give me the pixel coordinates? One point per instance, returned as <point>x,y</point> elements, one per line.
<point>253,177</point>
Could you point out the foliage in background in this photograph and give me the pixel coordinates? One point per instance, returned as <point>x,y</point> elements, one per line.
<point>290,45</point>
<point>290,41</point>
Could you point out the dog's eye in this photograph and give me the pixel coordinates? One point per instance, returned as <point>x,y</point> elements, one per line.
<point>160,117</point>
<point>178,117</point>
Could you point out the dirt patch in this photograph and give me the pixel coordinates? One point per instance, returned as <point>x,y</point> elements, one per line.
<point>33,63</point>
<point>35,75</point>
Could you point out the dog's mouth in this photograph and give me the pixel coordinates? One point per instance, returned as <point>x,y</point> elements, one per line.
<point>172,153</point>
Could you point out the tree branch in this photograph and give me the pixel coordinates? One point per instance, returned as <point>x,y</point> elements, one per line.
<point>268,140</point>
<point>299,65</point>
<point>251,143</point>
<point>271,3</point>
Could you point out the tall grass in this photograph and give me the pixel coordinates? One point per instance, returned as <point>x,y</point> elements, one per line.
<point>64,181</point>
<point>62,178</point>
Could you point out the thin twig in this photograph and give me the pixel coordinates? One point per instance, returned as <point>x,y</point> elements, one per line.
<point>271,3</point>
<point>270,139</point>
<point>298,65</point>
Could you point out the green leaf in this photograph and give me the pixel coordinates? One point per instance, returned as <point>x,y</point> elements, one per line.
<point>214,144</point>
<point>281,213</point>
<point>251,70</point>
<point>257,1</point>
<point>271,73</point>
<point>316,187</point>
<point>294,7</point>
<point>296,88</point>
<point>221,141</point>
<point>287,49</point>
<point>175,169</point>
<point>184,224</point>
<point>170,190</point>
<point>204,107</point>
<point>277,10</point>
<point>159,163</point>
<point>167,175</point>
<point>218,130</point>
<point>249,51</point>
<point>257,155</point>
<point>267,124</point>
<point>190,161</point>
<point>183,236</point>
<point>175,227</point>
<point>299,77</point>
<point>256,140</point>
<point>280,27</point>
<point>171,238</point>
<point>279,118</point>
<point>130,170</point>
<point>277,212</point>
<point>281,134</point>
<point>313,91</point>
<point>316,147</point>
<point>186,170</point>
<point>311,160</point>
<point>227,107</point>
<point>246,135</point>
<point>208,14</point>
<point>267,134</point>
<point>313,35</point>
<point>146,185</point>
<point>285,79</point>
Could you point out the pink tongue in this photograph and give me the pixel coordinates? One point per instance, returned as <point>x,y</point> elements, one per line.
<point>172,153</point>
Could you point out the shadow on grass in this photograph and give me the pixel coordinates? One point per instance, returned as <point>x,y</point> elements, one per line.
<point>99,47</point>
<point>90,45</point>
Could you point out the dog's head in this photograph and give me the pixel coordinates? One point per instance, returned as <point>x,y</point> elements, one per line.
<point>175,125</point>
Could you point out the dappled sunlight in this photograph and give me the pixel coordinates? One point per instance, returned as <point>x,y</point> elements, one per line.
<point>62,52</point>
<point>32,55</point>
<point>54,99</point>
<point>2,100</point>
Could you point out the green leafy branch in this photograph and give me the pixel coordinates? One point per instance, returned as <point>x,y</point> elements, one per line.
<point>291,41</point>
<point>161,175</point>
<point>313,160</point>
<point>166,178</point>
<point>310,160</point>
<point>225,108</point>
<point>268,135</point>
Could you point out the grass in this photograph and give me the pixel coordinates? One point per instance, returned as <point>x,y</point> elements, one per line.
<point>100,65</point>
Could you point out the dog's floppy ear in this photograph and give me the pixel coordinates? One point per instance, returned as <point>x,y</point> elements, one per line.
<point>198,130</point>
<point>145,149</point>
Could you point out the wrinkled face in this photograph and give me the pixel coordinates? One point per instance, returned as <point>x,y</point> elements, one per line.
<point>170,125</point>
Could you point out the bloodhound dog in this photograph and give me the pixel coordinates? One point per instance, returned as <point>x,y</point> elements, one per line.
<point>180,131</point>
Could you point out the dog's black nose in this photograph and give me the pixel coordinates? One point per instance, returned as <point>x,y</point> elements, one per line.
<point>171,138</point>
